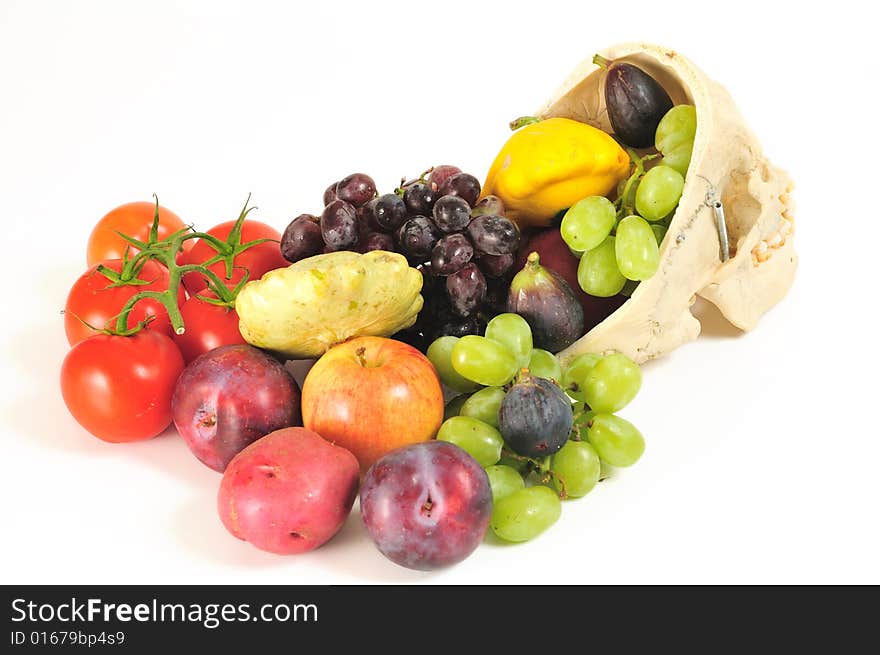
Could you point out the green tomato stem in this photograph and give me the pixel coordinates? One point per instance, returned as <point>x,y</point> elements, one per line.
<point>165,251</point>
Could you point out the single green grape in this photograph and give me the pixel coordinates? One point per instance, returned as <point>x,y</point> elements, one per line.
<point>617,441</point>
<point>480,440</point>
<point>659,231</point>
<point>573,377</point>
<point>453,407</point>
<point>677,127</point>
<point>484,405</point>
<point>504,480</point>
<point>679,158</point>
<point>598,273</point>
<point>612,383</point>
<point>484,361</point>
<point>659,192</point>
<point>544,364</point>
<point>587,222</point>
<point>638,255</point>
<point>440,355</point>
<point>512,331</point>
<point>576,467</point>
<point>525,513</point>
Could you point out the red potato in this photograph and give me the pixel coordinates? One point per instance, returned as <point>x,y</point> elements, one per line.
<point>289,492</point>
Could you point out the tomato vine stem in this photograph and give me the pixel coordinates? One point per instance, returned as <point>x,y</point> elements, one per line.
<point>165,252</point>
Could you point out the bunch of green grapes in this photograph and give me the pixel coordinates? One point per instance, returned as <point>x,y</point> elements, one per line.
<point>619,243</point>
<point>527,492</point>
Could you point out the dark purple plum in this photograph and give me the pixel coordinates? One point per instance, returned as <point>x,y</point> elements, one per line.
<point>426,506</point>
<point>466,289</point>
<point>339,225</point>
<point>302,238</point>
<point>450,254</point>
<point>463,185</point>
<point>390,212</point>
<point>451,214</point>
<point>357,189</point>
<point>228,398</point>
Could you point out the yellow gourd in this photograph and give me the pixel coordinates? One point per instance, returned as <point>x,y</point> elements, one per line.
<point>549,165</point>
<point>303,310</point>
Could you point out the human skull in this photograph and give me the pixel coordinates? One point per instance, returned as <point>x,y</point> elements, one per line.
<point>729,182</point>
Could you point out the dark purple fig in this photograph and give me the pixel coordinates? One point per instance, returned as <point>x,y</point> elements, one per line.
<point>636,102</point>
<point>548,304</point>
<point>302,238</point>
<point>535,417</point>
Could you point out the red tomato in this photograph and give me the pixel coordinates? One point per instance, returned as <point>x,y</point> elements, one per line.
<point>207,327</point>
<point>133,219</point>
<point>95,301</point>
<point>120,388</point>
<point>257,260</point>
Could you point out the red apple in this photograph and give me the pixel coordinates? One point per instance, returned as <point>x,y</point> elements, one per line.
<point>372,395</point>
<point>556,256</point>
<point>288,492</point>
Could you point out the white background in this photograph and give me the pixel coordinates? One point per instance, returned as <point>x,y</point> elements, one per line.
<point>763,449</point>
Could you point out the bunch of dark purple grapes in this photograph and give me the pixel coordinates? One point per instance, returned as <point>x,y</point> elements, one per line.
<point>463,246</point>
